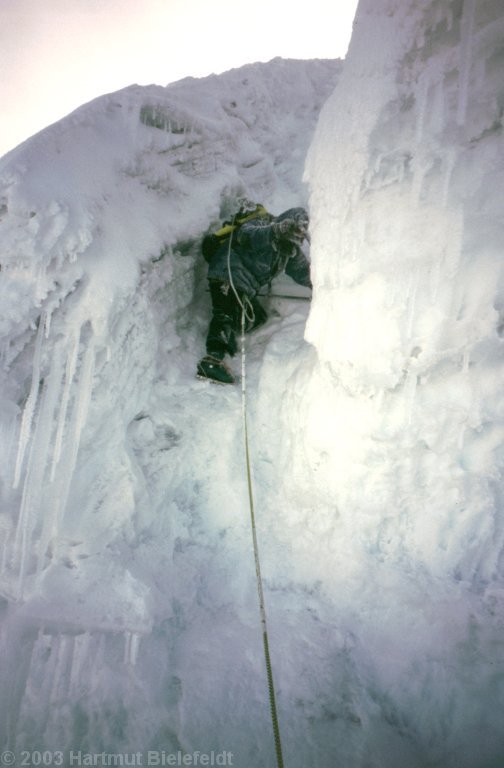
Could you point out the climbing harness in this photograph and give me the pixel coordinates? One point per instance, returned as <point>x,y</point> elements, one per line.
<point>247,313</point>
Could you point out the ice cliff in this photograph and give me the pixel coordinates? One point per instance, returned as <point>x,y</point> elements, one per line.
<point>400,420</point>
<point>129,617</point>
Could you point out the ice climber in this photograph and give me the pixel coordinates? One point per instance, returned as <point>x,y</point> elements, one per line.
<point>243,256</point>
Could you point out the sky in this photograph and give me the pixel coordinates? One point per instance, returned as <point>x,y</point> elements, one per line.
<point>58,54</point>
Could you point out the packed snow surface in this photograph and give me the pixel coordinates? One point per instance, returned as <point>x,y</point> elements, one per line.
<point>129,613</point>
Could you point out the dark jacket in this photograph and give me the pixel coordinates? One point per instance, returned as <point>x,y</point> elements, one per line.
<point>258,255</point>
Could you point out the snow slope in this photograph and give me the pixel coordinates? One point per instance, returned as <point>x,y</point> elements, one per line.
<point>130,618</point>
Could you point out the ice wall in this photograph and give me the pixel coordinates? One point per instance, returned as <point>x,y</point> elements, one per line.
<point>399,424</point>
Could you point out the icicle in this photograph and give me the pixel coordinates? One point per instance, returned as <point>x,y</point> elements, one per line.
<point>131,646</point>
<point>56,671</point>
<point>437,108</point>
<point>68,457</point>
<point>467,30</point>
<point>50,310</point>
<point>127,646</point>
<point>79,657</point>
<point>423,90</point>
<point>61,675</point>
<point>43,663</point>
<point>449,18</point>
<point>38,458</point>
<point>85,389</point>
<point>451,157</point>
<point>69,377</point>
<point>29,409</point>
<point>135,647</point>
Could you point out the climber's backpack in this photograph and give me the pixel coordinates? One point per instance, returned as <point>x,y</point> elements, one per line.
<point>211,243</point>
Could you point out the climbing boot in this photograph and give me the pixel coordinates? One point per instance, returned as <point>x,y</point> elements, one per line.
<point>214,370</point>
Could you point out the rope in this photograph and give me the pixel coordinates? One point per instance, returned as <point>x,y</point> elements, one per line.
<point>248,314</point>
<point>250,317</point>
<point>260,592</point>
